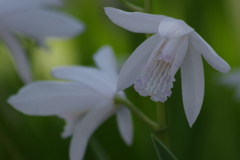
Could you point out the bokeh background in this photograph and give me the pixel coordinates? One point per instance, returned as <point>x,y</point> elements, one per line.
<point>214,136</point>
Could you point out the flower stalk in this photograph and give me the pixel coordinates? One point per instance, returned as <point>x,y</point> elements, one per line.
<point>131,6</point>
<point>162,133</point>
<point>137,112</point>
<point>147,6</point>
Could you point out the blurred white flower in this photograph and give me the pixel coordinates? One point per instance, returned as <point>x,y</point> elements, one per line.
<point>85,102</point>
<point>153,65</point>
<point>31,18</point>
<point>231,80</point>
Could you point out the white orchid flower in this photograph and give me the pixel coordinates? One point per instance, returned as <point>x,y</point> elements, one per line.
<point>85,102</point>
<point>153,65</point>
<point>32,19</point>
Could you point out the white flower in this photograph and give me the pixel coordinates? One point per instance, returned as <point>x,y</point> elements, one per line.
<point>32,19</point>
<point>153,65</point>
<point>85,102</point>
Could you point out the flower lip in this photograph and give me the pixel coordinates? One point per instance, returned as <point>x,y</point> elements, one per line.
<point>156,76</point>
<point>171,28</point>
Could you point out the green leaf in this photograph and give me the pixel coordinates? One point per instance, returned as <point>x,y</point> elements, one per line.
<point>162,151</point>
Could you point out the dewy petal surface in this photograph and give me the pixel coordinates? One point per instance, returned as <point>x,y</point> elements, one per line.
<point>124,122</point>
<point>87,126</point>
<point>132,67</point>
<point>18,54</point>
<point>192,84</point>
<point>105,60</point>
<point>54,98</point>
<point>170,28</point>
<point>134,21</point>
<point>91,77</point>
<point>209,54</point>
<point>40,24</point>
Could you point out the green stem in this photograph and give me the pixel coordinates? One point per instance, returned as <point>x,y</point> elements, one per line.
<point>147,9</point>
<point>161,111</point>
<point>162,123</point>
<point>131,6</point>
<point>137,112</point>
<point>148,6</point>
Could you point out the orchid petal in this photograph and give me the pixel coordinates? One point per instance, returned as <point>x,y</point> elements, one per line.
<point>105,60</point>
<point>40,24</point>
<point>125,124</point>
<point>14,6</point>
<point>180,55</point>
<point>51,98</point>
<point>89,76</point>
<point>18,54</point>
<point>209,54</point>
<point>71,120</point>
<point>134,21</point>
<point>132,67</point>
<point>87,126</point>
<point>192,84</point>
<point>170,28</point>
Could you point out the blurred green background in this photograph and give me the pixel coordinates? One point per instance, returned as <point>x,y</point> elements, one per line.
<point>214,136</point>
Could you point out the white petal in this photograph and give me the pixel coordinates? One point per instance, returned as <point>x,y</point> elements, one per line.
<point>13,6</point>
<point>134,21</point>
<point>124,122</point>
<point>192,84</point>
<point>87,126</point>
<point>17,53</point>
<point>71,122</point>
<point>105,60</point>
<point>170,28</point>
<point>180,55</point>
<point>89,76</point>
<point>208,53</point>
<point>40,24</point>
<point>54,98</point>
<point>132,67</point>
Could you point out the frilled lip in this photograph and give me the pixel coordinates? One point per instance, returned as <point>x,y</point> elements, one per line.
<point>158,73</point>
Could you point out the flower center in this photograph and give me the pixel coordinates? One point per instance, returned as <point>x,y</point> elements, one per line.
<point>155,79</point>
